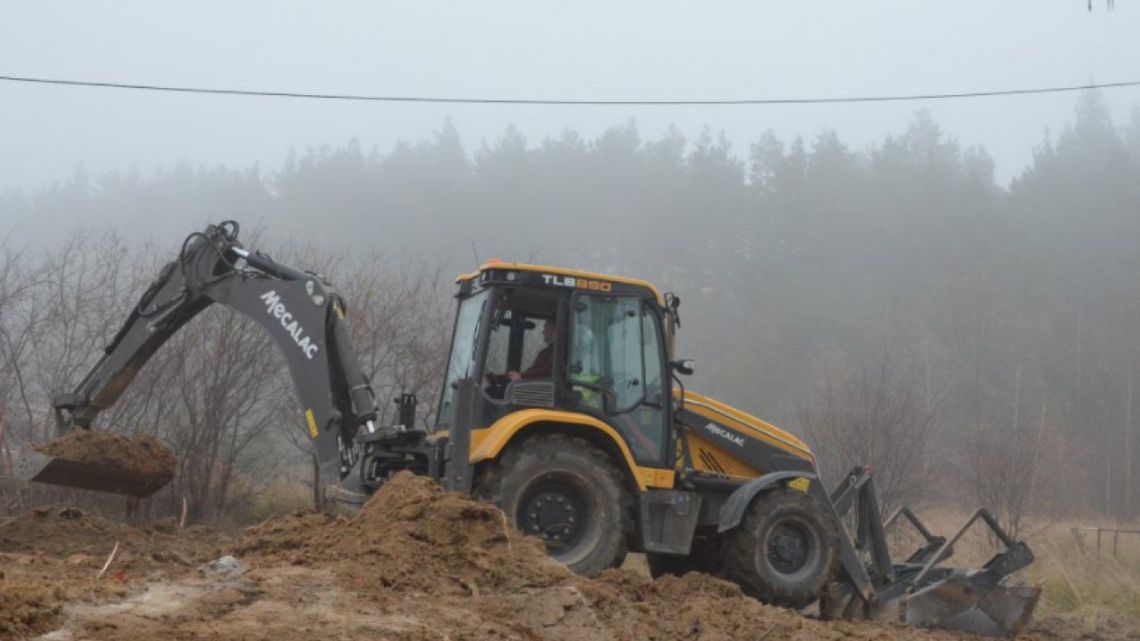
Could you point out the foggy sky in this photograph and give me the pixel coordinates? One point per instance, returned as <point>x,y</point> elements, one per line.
<point>537,49</point>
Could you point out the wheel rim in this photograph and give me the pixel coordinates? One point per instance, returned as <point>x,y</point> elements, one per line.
<point>791,547</point>
<point>556,508</point>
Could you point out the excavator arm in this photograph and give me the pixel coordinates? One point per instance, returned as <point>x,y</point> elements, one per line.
<point>301,311</point>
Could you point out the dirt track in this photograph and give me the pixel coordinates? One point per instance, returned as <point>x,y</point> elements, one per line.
<point>416,563</point>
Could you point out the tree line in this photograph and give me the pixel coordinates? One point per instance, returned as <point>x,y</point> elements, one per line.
<point>896,304</point>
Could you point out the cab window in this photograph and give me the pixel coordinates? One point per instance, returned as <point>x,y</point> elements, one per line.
<point>615,366</point>
<point>461,362</point>
<point>605,352</point>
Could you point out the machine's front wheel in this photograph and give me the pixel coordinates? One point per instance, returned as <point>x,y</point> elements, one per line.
<point>785,551</point>
<point>567,492</point>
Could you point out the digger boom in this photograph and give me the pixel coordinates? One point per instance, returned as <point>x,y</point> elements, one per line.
<point>303,313</point>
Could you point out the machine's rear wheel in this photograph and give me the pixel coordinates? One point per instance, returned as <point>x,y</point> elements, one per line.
<point>566,491</point>
<point>785,551</point>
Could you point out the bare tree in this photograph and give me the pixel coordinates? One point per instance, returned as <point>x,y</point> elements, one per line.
<point>85,291</point>
<point>58,307</point>
<point>875,416</point>
<point>1007,468</point>
<point>220,368</point>
<point>400,326</point>
<point>15,281</point>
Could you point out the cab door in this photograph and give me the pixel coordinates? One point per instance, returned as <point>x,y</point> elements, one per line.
<point>615,367</point>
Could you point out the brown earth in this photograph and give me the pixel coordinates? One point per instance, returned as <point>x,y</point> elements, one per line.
<point>416,563</point>
<point>143,454</point>
<point>49,558</point>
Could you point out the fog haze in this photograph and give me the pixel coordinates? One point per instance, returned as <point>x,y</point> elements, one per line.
<point>579,50</point>
<point>944,290</point>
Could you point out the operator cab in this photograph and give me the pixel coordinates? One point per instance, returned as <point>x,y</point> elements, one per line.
<point>607,356</point>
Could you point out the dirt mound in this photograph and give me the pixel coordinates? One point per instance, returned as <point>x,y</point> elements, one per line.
<point>50,557</point>
<point>28,608</point>
<point>416,563</point>
<point>84,539</point>
<point>412,536</point>
<point>451,565</point>
<point>142,454</point>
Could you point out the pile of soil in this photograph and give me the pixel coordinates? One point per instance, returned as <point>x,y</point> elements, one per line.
<point>28,607</point>
<point>454,565</point>
<point>49,558</point>
<point>411,536</point>
<point>142,454</point>
<point>74,535</point>
<point>415,564</point>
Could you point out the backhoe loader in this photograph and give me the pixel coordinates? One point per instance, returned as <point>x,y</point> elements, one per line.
<point>599,451</point>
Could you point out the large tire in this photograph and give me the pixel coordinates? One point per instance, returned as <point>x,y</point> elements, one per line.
<point>704,557</point>
<point>567,492</point>
<point>785,551</point>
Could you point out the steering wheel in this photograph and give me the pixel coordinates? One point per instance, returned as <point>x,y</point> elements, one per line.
<point>496,385</point>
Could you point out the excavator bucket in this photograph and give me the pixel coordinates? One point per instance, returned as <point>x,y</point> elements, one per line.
<point>921,591</point>
<point>40,468</point>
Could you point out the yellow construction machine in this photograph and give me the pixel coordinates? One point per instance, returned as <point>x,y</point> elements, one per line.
<point>563,403</point>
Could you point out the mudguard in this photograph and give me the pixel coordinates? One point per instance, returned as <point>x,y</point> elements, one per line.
<point>732,512</point>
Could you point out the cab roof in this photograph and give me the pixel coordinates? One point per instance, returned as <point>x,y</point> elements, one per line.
<point>561,271</point>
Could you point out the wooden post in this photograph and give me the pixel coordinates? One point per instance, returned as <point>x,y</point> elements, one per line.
<point>5,454</point>
<point>1128,449</point>
<point>1108,483</point>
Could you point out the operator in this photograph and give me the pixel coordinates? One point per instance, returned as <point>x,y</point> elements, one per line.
<point>543,365</point>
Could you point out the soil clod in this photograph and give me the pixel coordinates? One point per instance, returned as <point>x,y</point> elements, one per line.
<point>142,454</point>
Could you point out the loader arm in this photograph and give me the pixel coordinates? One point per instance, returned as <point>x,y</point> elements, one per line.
<point>302,312</point>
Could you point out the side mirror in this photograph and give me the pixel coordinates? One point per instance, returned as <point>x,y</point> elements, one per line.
<point>684,366</point>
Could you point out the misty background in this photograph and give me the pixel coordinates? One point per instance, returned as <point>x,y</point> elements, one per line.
<point>949,290</point>
<point>544,49</point>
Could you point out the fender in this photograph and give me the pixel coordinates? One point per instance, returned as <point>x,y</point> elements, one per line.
<point>732,512</point>
<point>488,442</point>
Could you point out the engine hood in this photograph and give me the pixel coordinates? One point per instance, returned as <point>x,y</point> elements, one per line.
<point>736,428</point>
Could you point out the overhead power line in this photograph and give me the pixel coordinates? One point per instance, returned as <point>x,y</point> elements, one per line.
<point>572,102</point>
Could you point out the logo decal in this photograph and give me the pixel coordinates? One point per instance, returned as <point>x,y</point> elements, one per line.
<point>577,283</point>
<point>735,439</point>
<point>274,307</point>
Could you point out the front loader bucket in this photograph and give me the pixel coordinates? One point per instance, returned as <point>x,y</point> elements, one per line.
<point>954,604</point>
<point>962,601</point>
<point>975,601</point>
<point>956,601</point>
<point>921,591</point>
<point>40,468</point>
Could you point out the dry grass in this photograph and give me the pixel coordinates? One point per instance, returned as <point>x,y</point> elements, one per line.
<point>255,503</point>
<point>1077,582</point>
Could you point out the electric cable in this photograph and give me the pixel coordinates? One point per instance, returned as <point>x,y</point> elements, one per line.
<point>570,102</point>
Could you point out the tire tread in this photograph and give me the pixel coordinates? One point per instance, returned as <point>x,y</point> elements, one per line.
<point>553,446</point>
